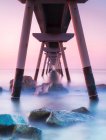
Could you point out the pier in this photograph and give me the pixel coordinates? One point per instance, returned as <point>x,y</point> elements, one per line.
<point>54,17</point>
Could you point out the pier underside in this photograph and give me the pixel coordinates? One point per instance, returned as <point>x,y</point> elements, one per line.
<point>54,17</point>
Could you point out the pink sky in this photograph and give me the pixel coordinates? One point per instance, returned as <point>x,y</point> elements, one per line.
<point>93,16</point>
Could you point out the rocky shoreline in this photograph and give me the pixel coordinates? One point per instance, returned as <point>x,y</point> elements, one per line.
<point>16,127</point>
<point>60,118</point>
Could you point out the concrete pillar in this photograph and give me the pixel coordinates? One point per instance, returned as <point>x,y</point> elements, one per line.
<point>44,65</point>
<point>61,68</point>
<point>58,64</point>
<point>50,67</point>
<point>74,12</point>
<point>65,62</point>
<point>47,66</point>
<point>39,62</point>
<point>23,49</point>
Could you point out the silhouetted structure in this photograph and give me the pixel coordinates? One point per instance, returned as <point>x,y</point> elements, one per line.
<point>53,17</point>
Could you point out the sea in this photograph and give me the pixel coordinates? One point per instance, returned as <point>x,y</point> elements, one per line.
<point>76,97</point>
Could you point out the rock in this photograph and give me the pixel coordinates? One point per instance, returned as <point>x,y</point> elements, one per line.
<point>16,128</point>
<point>59,88</point>
<point>27,132</point>
<point>27,84</point>
<point>102,86</point>
<point>63,118</point>
<point>9,122</point>
<point>83,110</point>
<point>42,89</point>
<point>55,85</point>
<point>1,89</point>
<point>39,114</point>
<point>47,89</point>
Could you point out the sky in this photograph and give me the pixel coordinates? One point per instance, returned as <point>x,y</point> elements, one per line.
<point>93,17</point>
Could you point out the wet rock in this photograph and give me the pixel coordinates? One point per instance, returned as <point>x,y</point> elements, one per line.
<point>28,84</point>
<point>55,85</point>
<point>16,128</point>
<point>39,114</point>
<point>42,89</point>
<point>51,89</point>
<point>64,118</point>
<point>1,89</point>
<point>27,132</point>
<point>83,110</point>
<point>103,86</point>
<point>59,88</point>
<point>9,122</point>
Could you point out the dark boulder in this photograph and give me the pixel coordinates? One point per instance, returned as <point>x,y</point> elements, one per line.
<point>57,88</point>
<point>1,89</point>
<point>27,132</point>
<point>102,86</point>
<point>14,127</point>
<point>39,114</point>
<point>28,84</point>
<point>9,122</point>
<point>64,118</point>
<point>83,110</point>
<point>61,118</point>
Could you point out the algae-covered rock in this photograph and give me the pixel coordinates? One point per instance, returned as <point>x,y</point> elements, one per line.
<point>27,132</point>
<point>39,114</point>
<point>17,128</point>
<point>64,118</point>
<point>9,122</point>
<point>61,118</point>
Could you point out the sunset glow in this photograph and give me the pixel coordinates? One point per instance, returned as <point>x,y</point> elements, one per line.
<point>93,16</point>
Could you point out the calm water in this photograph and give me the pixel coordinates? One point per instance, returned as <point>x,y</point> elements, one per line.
<point>77,97</point>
